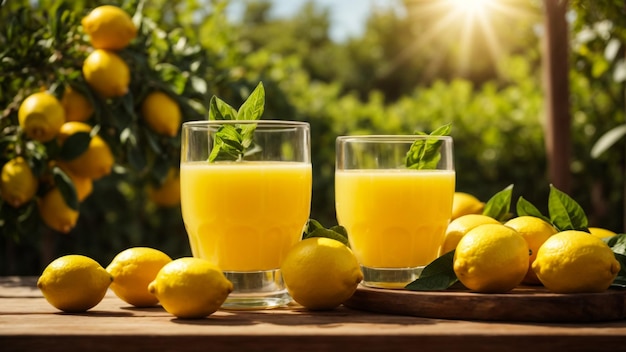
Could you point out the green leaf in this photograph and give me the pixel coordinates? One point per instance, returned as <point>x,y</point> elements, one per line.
<point>66,187</point>
<point>565,213</point>
<point>424,153</point>
<point>75,145</point>
<point>252,108</point>
<point>438,275</point>
<point>526,208</point>
<point>617,243</point>
<point>220,110</point>
<point>607,140</point>
<point>499,205</point>
<point>620,279</point>
<point>315,229</point>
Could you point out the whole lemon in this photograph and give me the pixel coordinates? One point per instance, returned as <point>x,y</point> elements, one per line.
<point>133,269</point>
<point>491,258</point>
<point>601,232</point>
<point>109,27</point>
<point>465,203</point>
<point>190,287</point>
<point>77,107</point>
<point>575,262</point>
<point>106,73</point>
<point>82,185</point>
<point>161,113</point>
<point>40,116</point>
<point>321,273</point>
<point>535,231</point>
<point>18,184</point>
<point>56,213</point>
<point>168,194</point>
<point>458,227</point>
<point>95,162</point>
<point>74,283</point>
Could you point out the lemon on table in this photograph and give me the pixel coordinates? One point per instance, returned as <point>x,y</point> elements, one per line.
<point>190,287</point>
<point>321,273</point>
<point>575,262</point>
<point>40,116</point>
<point>535,231</point>
<point>491,258</point>
<point>74,283</point>
<point>601,232</point>
<point>133,269</point>
<point>18,184</point>
<point>460,226</point>
<point>109,27</point>
<point>465,203</point>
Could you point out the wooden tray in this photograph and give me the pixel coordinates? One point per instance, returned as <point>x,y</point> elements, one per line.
<point>524,304</point>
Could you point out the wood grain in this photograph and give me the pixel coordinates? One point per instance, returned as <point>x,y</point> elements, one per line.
<point>526,304</point>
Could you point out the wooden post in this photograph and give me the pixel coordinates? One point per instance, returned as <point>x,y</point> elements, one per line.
<point>556,80</point>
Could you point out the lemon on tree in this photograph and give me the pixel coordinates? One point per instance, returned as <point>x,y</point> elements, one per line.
<point>190,287</point>
<point>161,113</point>
<point>575,262</point>
<point>109,27</point>
<point>133,269</point>
<point>535,231</point>
<point>167,194</point>
<point>461,226</point>
<point>465,203</point>
<point>76,106</point>
<point>18,184</point>
<point>106,73</point>
<point>74,283</point>
<point>55,212</point>
<point>491,258</point>
<point>95,162</point>
<point>321,273</point>
<point>40,116</point>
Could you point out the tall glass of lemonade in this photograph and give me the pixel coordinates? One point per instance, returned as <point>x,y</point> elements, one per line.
<point>244,213</point>
<point>396,215</point>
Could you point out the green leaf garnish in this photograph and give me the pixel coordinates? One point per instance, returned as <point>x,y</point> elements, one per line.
<point>565,212</point>
<point>526,208</point>
<point>315,229</point>
<point>499,205</point>
<point>233,142</point>
<point>436,276</point>
<point>424,153</point>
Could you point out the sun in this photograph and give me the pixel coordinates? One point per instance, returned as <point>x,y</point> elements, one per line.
<point>471,8</point>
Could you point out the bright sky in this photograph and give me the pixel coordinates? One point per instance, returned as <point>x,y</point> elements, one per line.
<point>347,17</point>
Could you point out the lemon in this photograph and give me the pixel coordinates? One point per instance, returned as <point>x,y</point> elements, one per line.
<point>18,184</point>
<point>190,287</point>
<point>133,269</point>
<point>56,213</point>
<point>601,232</point>
<point>74,283</point>
<point>40,116</point>
<point>109,27</point>
<point>575,262</point>
<point>320,273</point>
<point>161,113</point>
<point>95,162</point>
<point>465,203</point>
<point>535,231</point>
<point>106,73</point>
<point>168,194</point>
<point>491,258</point>
<point>458,227</point>
<point>76,106</point>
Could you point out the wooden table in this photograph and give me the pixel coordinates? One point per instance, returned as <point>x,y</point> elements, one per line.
<point>29,323</point>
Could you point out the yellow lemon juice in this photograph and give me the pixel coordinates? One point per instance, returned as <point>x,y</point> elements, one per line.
<point>245,216</point>
<point>394,218</point>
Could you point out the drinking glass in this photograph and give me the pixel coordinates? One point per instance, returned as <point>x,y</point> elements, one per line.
<point>395,216</point>
<point>244,215</point>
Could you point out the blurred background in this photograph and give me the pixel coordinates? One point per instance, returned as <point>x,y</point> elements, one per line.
<point>347,67</point>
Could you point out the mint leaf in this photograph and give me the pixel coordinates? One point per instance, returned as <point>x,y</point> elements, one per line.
<point>499,205</point>
<point>526,208</point>
<point>438,275</point>
<point>424,153</point>
<point>227,144</point>
<point>315,229</point>
<point>565,213</point>
<point>253,107</point>
<point>220,110</point>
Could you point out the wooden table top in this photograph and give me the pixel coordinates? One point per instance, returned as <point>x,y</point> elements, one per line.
<point>28,322</point>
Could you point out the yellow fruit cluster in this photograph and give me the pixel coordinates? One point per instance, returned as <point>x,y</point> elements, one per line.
<point>492,257</point>
<point>140,276</point>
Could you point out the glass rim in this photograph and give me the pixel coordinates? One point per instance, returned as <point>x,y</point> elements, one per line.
<point>277,123</point>
<point>377,138</point>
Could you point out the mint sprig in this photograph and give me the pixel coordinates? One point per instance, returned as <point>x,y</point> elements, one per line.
<point>233,142</point>
<point>424,153</point>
